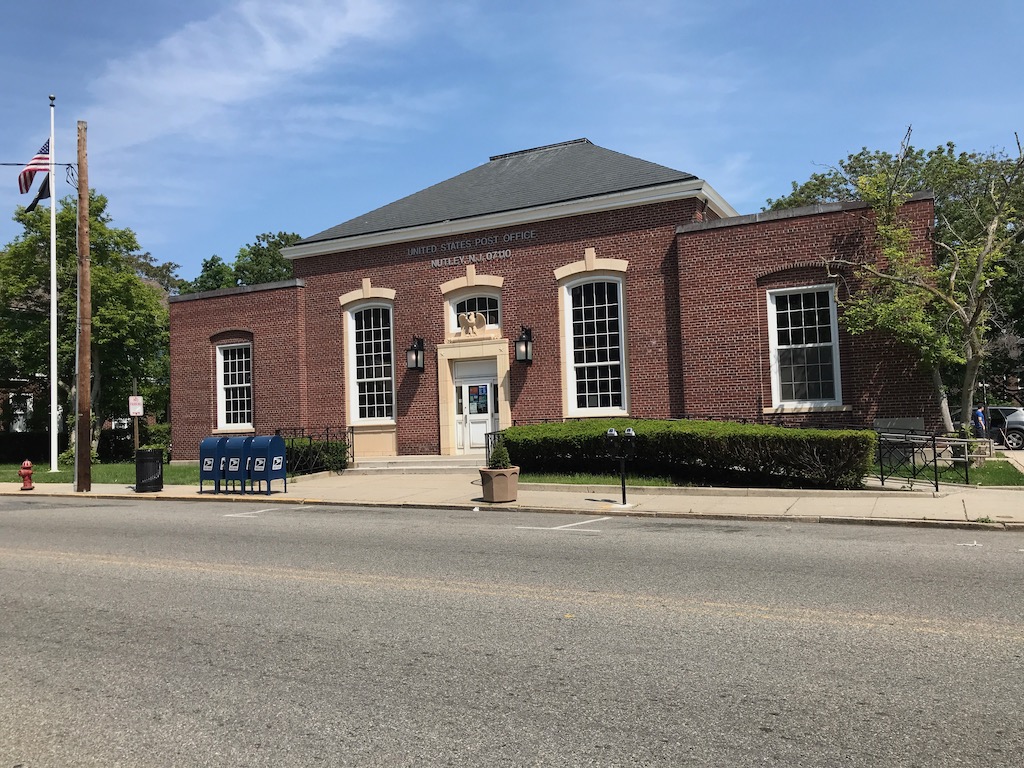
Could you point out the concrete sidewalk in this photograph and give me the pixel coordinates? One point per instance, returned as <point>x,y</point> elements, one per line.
<point>895,504</point>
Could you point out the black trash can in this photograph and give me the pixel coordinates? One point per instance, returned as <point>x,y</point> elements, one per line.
<point>149,470</point>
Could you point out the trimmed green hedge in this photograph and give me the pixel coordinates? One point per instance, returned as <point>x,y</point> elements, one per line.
<point>701,452</point>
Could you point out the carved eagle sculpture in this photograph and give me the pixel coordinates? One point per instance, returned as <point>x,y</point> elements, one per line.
<point>472,323</point>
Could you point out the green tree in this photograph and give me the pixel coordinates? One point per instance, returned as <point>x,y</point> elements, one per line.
<point>262,262</point>
<point>953,297</point>
<point>214,275</point>
<point>130,320</point>
<point>256,263</point>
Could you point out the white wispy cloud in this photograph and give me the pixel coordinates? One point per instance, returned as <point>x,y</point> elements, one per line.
<point>246,52</point>
<point>235,96</point>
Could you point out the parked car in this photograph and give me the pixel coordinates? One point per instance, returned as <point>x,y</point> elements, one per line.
<point>1006,423</point>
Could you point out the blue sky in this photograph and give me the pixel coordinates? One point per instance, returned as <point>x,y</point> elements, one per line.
<point>212,121</point>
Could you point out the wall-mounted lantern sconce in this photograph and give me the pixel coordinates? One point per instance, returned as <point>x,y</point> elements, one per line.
<point>524,346</point>
<point>414,355</point>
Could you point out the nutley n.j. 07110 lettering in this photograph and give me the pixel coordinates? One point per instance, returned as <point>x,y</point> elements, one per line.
<point>471,258</point>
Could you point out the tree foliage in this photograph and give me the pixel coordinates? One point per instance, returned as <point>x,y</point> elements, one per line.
<point>957,298</point>
<point>215,274</point>
<point>130,322</point>
<point>256,263</point>
<point>262,262</point>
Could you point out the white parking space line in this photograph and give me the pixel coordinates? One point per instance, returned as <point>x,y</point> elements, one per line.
<point>568,527</point>
<point>249,514</point>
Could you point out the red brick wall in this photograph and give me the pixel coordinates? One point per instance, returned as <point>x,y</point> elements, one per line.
<point>275,322</point>
<point>725,361</point>
<point>695,315</point>
<point>644,236</point>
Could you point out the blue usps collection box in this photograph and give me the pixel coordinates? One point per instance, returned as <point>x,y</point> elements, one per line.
<point>268,462</point>
<point>238,460</point>
<point>211,461</point>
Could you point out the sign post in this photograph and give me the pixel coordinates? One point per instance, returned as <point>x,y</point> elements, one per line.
<point>135,409</point>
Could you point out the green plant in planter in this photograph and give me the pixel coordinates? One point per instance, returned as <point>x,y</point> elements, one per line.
<point>499,457</point>
<point>499,480</point>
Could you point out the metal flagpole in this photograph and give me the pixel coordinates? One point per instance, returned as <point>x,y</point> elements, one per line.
<point>54,422</point>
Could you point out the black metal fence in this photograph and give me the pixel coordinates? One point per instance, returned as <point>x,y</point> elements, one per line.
<point>926,458</point>
<point>328,449</point>
<point>490,443</point>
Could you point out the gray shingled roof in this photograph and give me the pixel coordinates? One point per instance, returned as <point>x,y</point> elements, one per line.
<point>543,176</point>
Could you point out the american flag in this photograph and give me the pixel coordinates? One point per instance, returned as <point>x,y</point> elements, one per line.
<point>41,162</point>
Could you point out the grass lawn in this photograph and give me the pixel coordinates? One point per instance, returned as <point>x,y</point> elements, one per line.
<point>995,472</point>
<point>582,478</point>
<point>102,474</point>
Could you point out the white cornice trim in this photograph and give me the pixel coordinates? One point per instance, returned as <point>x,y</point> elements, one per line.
<point>693,188</point>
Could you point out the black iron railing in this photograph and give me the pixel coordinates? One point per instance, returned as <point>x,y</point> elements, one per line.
<point>490,442</point>
<point>327,449</point>
<point>931,458</point>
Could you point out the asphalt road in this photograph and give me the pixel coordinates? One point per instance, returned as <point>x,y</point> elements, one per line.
<point>154,633</point>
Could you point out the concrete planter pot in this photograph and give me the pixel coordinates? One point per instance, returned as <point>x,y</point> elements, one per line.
<point>499,485</point>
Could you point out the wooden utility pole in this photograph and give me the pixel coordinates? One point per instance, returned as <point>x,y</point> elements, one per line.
<point>83,433</point>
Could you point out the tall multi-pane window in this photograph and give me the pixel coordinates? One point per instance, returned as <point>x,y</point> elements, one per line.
<point>372,359</point>
<point>805,350</point>
<point>595,335</point>
<point>234,393</point>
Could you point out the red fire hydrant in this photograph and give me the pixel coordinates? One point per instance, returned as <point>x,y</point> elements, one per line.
<point>25,473</point>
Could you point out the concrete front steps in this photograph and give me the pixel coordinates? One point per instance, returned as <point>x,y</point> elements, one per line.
<point>416,465</point>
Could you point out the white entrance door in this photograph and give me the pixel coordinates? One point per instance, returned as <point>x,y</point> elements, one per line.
<point>476,413</point>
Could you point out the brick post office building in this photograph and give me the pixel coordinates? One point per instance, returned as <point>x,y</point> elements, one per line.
<point>636,288</point>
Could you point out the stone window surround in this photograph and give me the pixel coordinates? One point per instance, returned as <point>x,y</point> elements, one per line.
<point>460,288</point>
<point>590,269</point>
<point>373,437</point>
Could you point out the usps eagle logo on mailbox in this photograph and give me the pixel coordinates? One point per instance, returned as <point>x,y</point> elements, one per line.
<point>278,462</point>
<point>261,464</point>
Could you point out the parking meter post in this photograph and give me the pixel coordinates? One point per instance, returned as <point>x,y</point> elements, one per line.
<point>621,447</point>
<point>629,450</point>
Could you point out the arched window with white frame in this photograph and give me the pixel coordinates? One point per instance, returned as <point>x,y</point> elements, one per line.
<point>371,363</point>
<point>595,339</point>
<point>478,302</point>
